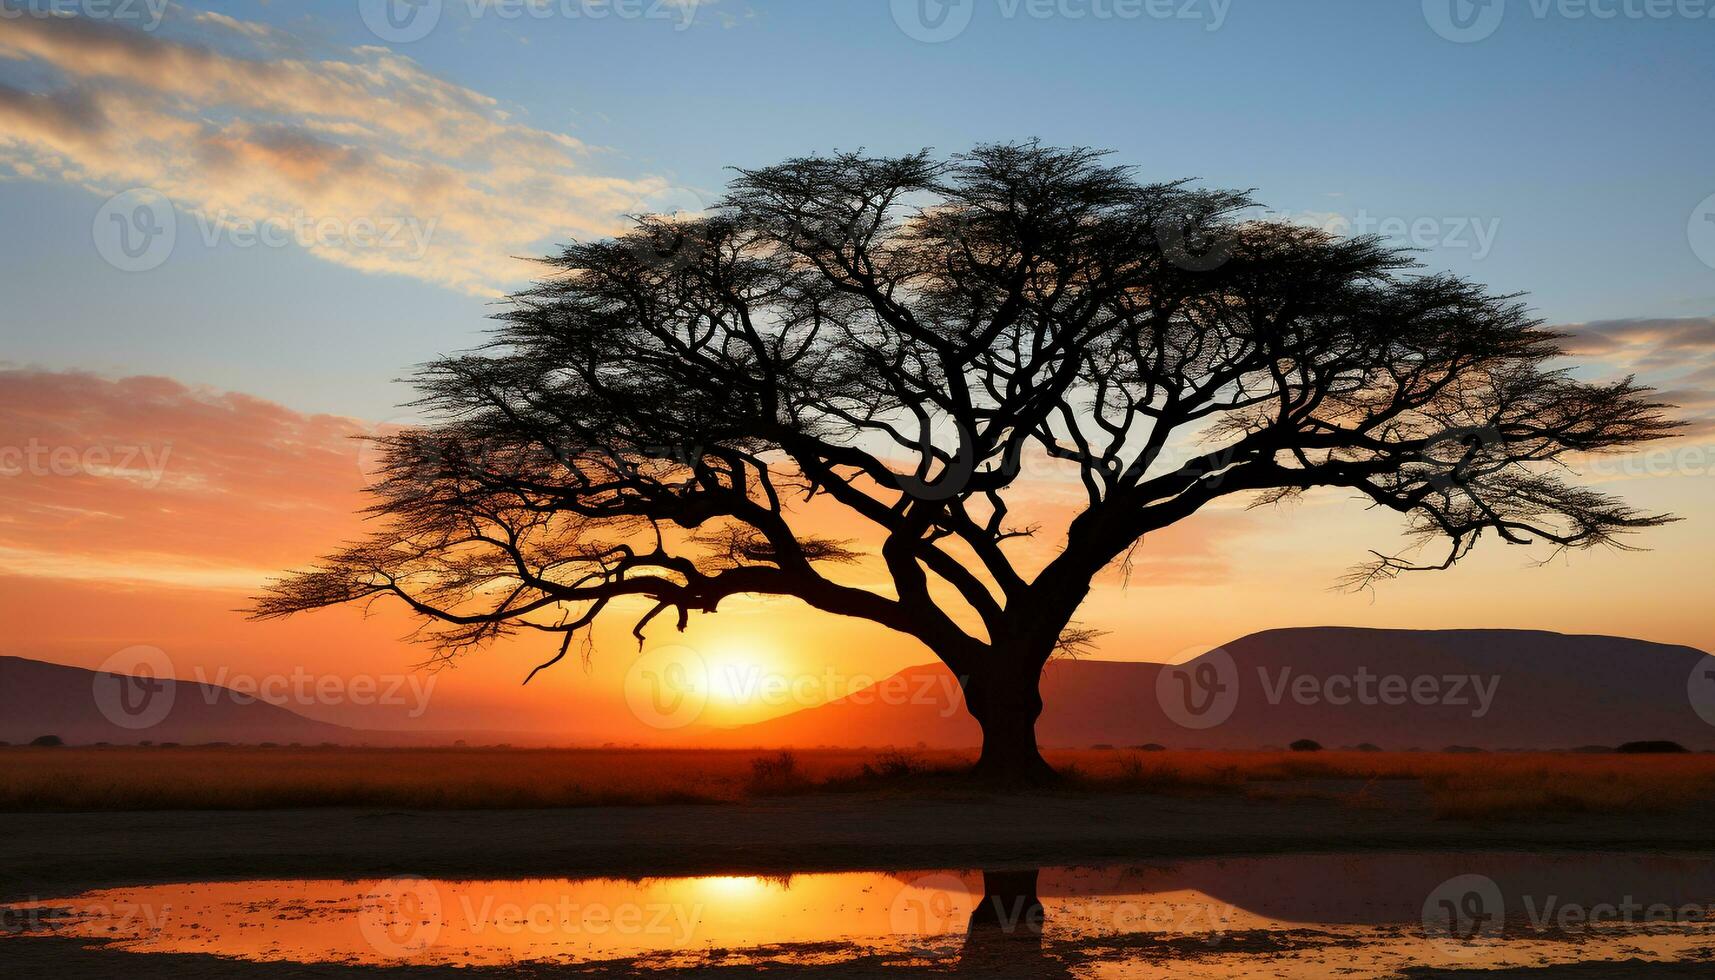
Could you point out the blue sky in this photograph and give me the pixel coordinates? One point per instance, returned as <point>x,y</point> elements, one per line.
<point>1582,145</point>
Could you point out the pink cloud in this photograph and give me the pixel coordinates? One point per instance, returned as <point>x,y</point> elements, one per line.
<point>149,479</point>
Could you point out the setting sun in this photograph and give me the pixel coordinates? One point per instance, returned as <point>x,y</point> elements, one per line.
<point>740,677</point>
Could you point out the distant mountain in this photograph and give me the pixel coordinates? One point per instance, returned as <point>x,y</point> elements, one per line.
<point>84,706</point>
<point>1396,689</point>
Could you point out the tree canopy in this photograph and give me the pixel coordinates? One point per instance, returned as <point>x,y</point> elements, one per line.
<point>914,340</point>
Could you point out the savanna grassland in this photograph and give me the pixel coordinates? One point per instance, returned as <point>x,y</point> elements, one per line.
<point>1453,785</point>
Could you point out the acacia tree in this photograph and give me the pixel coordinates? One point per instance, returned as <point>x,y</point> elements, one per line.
<point>906,337</point>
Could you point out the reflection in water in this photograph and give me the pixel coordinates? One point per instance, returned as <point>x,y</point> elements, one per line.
<point>1302,915</point>
<point>1006,925</point>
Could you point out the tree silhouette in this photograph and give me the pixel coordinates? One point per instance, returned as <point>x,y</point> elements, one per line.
<point>918,341</point>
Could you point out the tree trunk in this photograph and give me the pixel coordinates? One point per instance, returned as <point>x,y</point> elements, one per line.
<point>1006,701</point>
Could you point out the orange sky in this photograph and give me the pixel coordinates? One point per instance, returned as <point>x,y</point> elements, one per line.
<point>143,511</point>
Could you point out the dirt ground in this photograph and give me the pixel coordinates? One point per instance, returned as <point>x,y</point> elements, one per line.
<point>55,854</point>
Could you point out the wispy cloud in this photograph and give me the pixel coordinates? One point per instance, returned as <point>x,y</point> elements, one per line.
<point>1676,355</point>
<point>150,480</point>
<point>357,135</point>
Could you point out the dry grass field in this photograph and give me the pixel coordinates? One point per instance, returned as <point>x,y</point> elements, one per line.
<point>1457,785</point>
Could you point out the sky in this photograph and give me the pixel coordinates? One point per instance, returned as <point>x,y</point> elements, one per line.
<point>352,194</point>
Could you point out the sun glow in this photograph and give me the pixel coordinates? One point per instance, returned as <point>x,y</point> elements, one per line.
<point>742,668</point>
<point>739,676</point>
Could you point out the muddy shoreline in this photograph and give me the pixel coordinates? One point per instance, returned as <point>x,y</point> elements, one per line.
<point>44,855</point>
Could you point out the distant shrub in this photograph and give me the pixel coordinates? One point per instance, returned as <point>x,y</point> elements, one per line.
<point>1150,747</point>
<point>1368,747</point>
<point>772,775</point>
<point>1650,747</point>
<point>1306,745</point>
<point>1461,749</point>
<point>47,742</point>
<point>1174,777</point>
<point>893,764</point>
